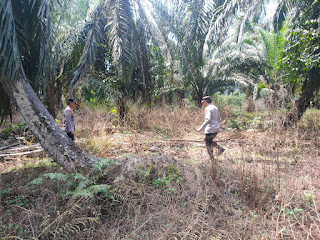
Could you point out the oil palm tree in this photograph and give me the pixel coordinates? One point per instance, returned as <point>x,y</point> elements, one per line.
<point>14,68</point>
<point>302,53</point>
<point>199,27</point>
<point>30,72</point>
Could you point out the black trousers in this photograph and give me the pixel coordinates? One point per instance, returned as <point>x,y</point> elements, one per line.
<point>210,144</point>
<point>209,139</point>
<point>70,135</point>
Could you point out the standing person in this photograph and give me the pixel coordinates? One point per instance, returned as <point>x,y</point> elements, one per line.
<point>69,123</point>
<point>211,126</point>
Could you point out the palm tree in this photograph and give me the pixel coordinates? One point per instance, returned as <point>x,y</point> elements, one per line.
<point>199,27</point>
<point>16,83</point>
<point>245,57</point>
<point>302,54</point>
<point>46,69</point>
<point>239,64</point>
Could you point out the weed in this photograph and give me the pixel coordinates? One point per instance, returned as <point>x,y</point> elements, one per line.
<point>293,212</point>
<point>308,197</point>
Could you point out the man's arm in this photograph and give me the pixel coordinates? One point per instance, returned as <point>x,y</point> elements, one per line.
<point>207,119</point>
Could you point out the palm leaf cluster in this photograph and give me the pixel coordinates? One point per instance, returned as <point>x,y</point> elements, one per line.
<point>35,36</point>
<point>303,50</point>
<point>94,30</point>
<point>146,48</point>
<point>9,57</point>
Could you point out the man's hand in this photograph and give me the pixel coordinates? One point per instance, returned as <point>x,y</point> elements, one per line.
<point>199,129</point>
<point>72,133</point>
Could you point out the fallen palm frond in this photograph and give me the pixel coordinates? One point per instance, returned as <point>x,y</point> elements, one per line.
<point>13,151</point>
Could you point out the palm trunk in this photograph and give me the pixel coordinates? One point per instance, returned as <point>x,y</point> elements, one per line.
<point>53,99</point>
<point>121,109</point>
<point>309,87</point>
<point>144,65</point>
<point>53,140</point>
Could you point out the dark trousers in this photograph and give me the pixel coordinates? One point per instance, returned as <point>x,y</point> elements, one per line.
<point>210,144</point>
<point>70,135</point>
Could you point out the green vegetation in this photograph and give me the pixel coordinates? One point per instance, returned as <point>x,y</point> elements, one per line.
<point>14,129</point>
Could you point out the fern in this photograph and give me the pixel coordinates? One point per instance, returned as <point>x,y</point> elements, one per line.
<point>102,164</point>
<point>56,176</point>
<point>104,189</point>
<point>79,176</point>
<point>83,184</point>
<point>79,185</point>
<point>4,192</point>
<point>86,193</point>
<point>51,176</point>
<point>93,190</point>
<point>36,181</point>
<point>68,230</point>
<point>79,188</point>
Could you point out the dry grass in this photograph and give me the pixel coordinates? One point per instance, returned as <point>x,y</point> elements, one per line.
<point>267,185</point>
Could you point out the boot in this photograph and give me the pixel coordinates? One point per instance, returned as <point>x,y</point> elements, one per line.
<point>220,150</point>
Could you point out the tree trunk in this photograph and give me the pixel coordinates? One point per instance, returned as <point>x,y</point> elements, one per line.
<point>54,94</point>
<point>53,140</point>
<point>144,65</point>
<point>53,98</point>
<point>5,105</point>
<point>309,87</point>
<point>122,109</point>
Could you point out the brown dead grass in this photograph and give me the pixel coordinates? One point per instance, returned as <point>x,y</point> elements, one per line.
<point>267,185</point>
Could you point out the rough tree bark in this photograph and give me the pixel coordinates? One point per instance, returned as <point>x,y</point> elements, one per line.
<point>53,140</point>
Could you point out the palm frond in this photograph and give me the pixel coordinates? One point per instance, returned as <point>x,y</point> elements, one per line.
<point>171,19</point>
<point>223,16</point>
<point>198,15</point>
<point>284,8</point>
<point>234,63</point>
<point>95,30</point>
<point>241,79</point>
<point>159,36</point>
<point>105,89</point>
<point>121,32</point>
<point>45,53</point>
<point>9,51</point>
<point>244,21</point>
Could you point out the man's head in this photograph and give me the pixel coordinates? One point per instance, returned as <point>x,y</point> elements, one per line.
<point>71,102</point>
<point>206,100</point>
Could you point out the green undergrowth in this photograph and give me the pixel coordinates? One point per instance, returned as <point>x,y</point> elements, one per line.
<point>68,203</point>
<point>167,178</point>
<point>13,130</point>
<point>246,120</point>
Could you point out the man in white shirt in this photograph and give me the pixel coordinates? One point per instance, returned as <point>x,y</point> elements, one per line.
<point>211,126</point>
<point>68,118</point>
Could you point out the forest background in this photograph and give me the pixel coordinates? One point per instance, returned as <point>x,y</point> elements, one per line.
<point>139,70</point>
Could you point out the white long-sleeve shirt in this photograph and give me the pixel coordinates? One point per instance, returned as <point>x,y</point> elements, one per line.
<point>211,122</point>
<point>68,120</point>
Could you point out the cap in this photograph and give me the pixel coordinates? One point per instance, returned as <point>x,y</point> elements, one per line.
<point>206,99</point>
<point>71,100</point>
